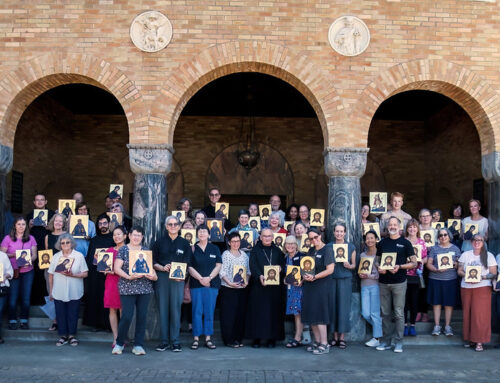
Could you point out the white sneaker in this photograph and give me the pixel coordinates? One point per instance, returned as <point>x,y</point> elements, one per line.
<point>117,350</point>
<point>383,347</point>
<point>436,331</point>
<point>373,342</point>
<point>138,350</point>
<point>398,347</point>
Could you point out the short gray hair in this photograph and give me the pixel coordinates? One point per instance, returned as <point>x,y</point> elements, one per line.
<point>64,236</point>
<point>275,214</point>
<point>172,217</point>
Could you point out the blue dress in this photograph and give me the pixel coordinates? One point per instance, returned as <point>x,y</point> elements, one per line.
<point>293,293</point>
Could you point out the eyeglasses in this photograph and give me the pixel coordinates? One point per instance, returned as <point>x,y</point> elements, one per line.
<point>115,206</point>
<point>442,235</point>
<point>477,240</point>
<point>173,224</point>
<point>314,238</point>
<point>65,242</point>
<point>425,216</point>
<point>266,236</point>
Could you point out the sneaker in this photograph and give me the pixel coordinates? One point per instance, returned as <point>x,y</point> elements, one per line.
<point>117,350</point>
<point>373,342</point>
<point>138,350</point>
<point>162,347</point>
<point>176,348</point>
<point>448,331</point>
<point>406,331</point>
<point>436,331</point>
<point>413,331</point>
<point>398,347</point>
<point>383,347</point>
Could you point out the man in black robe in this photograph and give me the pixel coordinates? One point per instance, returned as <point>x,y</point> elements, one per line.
<point>266,304</point>
<point>95,314</point>
<point>39,290</point>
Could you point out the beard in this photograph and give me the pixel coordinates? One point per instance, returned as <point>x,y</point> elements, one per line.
<point>394,232</point>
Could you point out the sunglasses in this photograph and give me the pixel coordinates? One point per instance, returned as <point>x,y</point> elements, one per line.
<point>65,242</point>
<point>442,235</point>
<point>172,224</point>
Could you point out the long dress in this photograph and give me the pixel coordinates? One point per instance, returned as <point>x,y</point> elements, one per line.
<point>95,314</point>
<point>266,304</point>
<point>293,293</point>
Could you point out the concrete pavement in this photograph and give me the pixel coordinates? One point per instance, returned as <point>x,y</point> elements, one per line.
<point>44,362</point>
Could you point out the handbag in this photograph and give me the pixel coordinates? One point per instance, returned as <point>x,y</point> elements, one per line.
<point>187,293</point>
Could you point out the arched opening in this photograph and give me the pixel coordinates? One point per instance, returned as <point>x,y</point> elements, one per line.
<point>215,121</point>
<point>426,146</point>
<point>71,138</point>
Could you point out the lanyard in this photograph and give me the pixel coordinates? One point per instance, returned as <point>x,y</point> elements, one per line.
<point>268,257</point>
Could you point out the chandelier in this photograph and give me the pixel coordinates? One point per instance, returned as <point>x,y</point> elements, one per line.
<point>248,154</point>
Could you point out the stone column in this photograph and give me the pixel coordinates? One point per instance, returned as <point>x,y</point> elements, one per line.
<point>6,160</point>
<point>151,164</point>
<point>491,173</point>
<point>344,167</point>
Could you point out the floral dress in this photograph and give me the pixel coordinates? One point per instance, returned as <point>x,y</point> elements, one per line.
<point>294,293</point>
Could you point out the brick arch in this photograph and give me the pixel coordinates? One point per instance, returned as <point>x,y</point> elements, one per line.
<point>20,87</point>
<point>233,57</point>
<point>460,84</point>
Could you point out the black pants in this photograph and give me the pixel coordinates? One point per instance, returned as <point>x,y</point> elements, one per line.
<point>412,296</point>
<point>233,304</point>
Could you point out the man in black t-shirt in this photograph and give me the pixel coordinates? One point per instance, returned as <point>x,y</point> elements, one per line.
<point>170,292</point>
<point>38,291</point>
<point>392,284</point>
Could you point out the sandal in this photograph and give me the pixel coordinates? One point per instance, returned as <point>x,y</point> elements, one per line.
<point>210,345</point>
<point>293,343</point>
<point>53,327</point>
<point>195,345</point>
<point>479,347</point>
<point>62,341</point>
<point>321,349</point>
<point>235,344</point>
<point>73,341</point>
<point>334,342</point>
<point>342,344</point>
<point>312,347</point>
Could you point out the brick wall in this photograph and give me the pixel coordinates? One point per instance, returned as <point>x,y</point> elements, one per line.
<point>451,47</point>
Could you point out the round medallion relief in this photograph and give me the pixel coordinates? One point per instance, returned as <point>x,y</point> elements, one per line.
<point>151,31</point>
<point>349,36</point>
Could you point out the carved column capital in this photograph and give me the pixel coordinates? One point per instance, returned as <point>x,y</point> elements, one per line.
<point>490,166</point>
<point>6,159</point>
<point>150,159</point>
<point>345,162</point>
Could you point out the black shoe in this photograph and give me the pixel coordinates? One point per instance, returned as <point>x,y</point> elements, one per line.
<point>176,348</point>
<point>13,326</point>
<point>256,343</point>
<point>496,346</point>
<point>24,326</point>
<point>271,344</point>
<point>2,341</point>
<point>162,347</point>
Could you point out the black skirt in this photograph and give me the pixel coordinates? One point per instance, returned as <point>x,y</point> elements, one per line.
<point>317,302</point>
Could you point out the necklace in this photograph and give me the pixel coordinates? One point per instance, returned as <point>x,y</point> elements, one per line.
<point>268,257</point>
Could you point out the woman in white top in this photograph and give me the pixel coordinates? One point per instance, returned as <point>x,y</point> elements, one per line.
<point>66,287</point>
<point>476,296</point>
<point>234,275</point>
<point>6,273</point>
<point>476,219</point>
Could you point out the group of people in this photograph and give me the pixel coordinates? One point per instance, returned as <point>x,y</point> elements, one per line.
<point>428,272</point>
<point>250,281</point>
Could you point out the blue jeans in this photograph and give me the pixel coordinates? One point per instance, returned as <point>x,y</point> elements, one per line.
<point>20,287</point>
<point>67,316</point>
<point>3,301</point>
<point>203,299</point>
<point>139,303</point>
<point>370,308</point>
